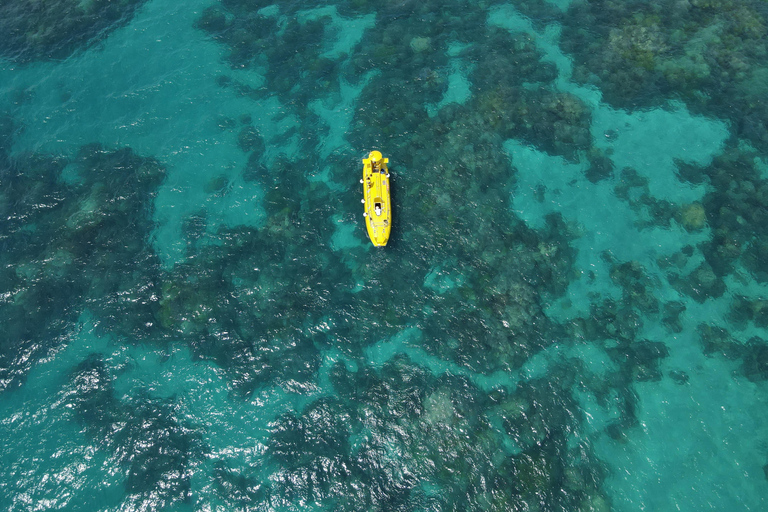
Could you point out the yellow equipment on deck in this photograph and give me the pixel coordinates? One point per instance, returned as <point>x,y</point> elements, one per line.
<point>378,207</point>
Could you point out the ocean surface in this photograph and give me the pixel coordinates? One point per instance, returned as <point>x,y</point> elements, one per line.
<point>570,314</point>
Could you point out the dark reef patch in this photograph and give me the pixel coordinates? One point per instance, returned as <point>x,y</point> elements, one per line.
<point>755,362</point>
<point>713,55</point>
<point>637,287</point>
<point>737,211</point>
<point>600,166</point>
<point>34,30</point>
<point>152,444</point>
<point>718,341</point>
<point>68,247</point>
<point>249,308</point>
<point>752,354</point>
<point>239,488</point>
<point>651,212</point>
<point>735,208</point>
<point>701,284</point>
<point>679,377</point>
<point>405,434</point>
<point>671,319</point>
<point>93,396</point>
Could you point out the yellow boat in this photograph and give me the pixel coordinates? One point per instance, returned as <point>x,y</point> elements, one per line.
<point>378,207</point>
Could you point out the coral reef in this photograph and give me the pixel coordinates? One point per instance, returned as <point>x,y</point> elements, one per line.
<point>734,210</point>
<point>72,246</point>
<point>693,216</point>
<point>752,354</point>
<point>151,444</point>
<point>35,30</point>
<point>713,55</point>
<point>435,374</point>
<point>403,436</point>
<point>496,274</point>
<point>488,316</point>
<point>652,212</point>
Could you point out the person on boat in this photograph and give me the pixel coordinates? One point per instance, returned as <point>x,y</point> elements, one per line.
<point>377,208</point>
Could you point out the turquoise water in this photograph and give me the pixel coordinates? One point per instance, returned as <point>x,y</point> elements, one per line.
<point>570,315</point>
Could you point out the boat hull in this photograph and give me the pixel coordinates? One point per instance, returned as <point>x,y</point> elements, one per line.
<point>376,198</point>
